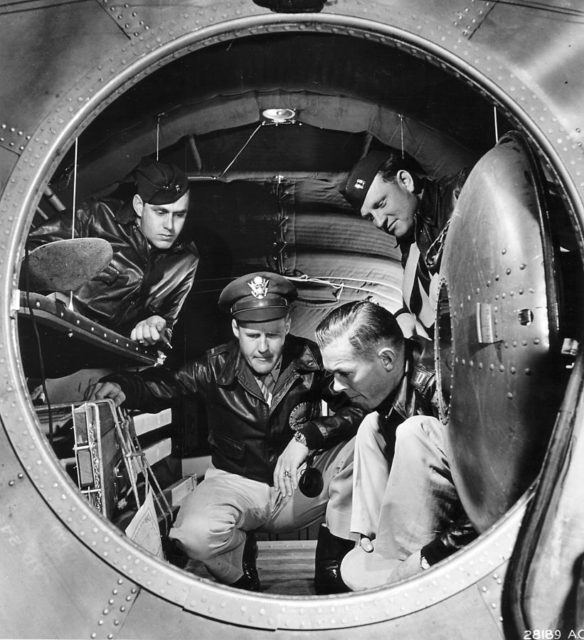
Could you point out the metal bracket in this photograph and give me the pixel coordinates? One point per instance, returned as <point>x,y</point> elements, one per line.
<point>113,613</point>
<point>491,590</point>
<point>471,17</point>
<point>125,17</point>
<point>14,303</point>
<point>13,139</point>
<point>487,323</point>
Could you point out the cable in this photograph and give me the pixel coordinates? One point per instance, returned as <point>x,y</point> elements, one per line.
<point>540,6</point>
<point>74,210</point>
<point>260,125</point>
<point>36,8</point>
<point>338,288</point>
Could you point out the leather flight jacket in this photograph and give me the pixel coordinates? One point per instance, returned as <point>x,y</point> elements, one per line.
<point>439,197</point>
<point>140,281</point>
<point>431,222</point>
<point>246,435</point>
<point>416,394</point>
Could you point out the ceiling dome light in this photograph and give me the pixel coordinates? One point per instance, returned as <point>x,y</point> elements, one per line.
<point>279,115</point>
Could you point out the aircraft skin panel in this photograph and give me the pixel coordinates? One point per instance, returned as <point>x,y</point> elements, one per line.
<point>441,622</point>
<point>549,544</point>
<point>53,585</point>
<point>56,86</point>
<point>52,49</point>
<point>554,65</point>
<point>8,158</point>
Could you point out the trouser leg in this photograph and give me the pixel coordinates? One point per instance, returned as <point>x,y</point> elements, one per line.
<point>212,522</point>
<point>334,501</point>
<point>419,501</point>
<point>370,475</point>
<point>420,498</point>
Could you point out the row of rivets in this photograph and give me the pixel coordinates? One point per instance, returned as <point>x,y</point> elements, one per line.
<point>130,24</point>
<point>117,611</point>
<point>472,21</point>
<point>13,139</point>
<point>20,476</point>
<point>491,595</point>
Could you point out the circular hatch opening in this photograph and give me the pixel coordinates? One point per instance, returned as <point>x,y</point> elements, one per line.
<point>126,87</point>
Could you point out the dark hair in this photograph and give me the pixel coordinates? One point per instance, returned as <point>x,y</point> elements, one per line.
<point>364,323</point>
<point>396,161</point>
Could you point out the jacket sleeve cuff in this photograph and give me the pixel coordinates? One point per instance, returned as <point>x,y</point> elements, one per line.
<point>314,438</point>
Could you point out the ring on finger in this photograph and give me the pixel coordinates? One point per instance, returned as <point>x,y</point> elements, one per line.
<point>286,473</point>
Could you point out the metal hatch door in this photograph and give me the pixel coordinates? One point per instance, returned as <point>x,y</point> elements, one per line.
<point>497,332</point>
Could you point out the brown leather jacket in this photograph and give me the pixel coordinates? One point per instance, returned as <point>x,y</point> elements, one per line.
<point>246,435</point>
<point>140,281</point>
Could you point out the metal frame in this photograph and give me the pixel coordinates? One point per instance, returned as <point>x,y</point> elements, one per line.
<point>443,45</point>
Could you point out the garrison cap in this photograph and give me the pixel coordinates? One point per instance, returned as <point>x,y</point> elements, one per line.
<point>361,177</point>
<point>160,183</point>
<point>258,297</point>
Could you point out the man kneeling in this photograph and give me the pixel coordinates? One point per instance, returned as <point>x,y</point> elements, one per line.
<point>263,393</point>
<point>405,505</point>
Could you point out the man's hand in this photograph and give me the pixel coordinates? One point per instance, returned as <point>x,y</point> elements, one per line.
<point>105,390</point>
<point>366,544</point>
<point>149,331</point>
<point>286,471</point>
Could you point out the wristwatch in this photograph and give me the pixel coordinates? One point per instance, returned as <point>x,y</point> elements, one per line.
<point>300,437</point>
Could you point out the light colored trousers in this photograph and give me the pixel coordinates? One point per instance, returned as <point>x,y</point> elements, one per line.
<point>212,523</point>
<point>402,503</point>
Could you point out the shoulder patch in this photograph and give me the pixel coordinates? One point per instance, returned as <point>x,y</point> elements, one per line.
<point>423,380</point>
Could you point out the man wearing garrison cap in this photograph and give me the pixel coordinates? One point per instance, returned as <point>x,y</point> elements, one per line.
<point>263,393</point>
<point>142,289</point>
<point>389,189</point>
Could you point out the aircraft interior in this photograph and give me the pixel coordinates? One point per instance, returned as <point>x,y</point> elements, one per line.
<point>267,160</point>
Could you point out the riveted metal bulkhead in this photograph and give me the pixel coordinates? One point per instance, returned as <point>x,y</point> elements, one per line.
<point>501,302</point>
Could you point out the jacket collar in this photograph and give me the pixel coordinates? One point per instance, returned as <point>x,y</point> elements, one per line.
<point>402,400</point>
<point>126,214</point>
<point>297,357</point>
<point>428,202</point>
<point>424,215</point>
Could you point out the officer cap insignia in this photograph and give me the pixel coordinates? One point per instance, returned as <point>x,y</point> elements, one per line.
<point>361,177</point>
<point>259,287</point>
<point>258,297</point>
